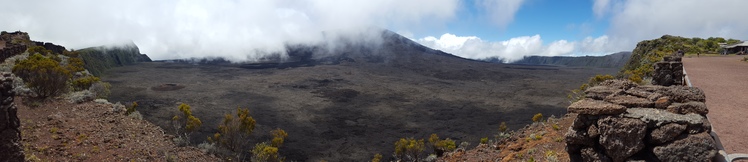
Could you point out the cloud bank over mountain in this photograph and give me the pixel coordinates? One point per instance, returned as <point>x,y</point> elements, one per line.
<point>246,30</point>
<point>238,30</point>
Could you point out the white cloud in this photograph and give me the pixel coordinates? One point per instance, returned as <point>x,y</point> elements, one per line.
<point>500,12</point>
<point>513,49</point>
<point>634,20</point>
<point>192,28</point>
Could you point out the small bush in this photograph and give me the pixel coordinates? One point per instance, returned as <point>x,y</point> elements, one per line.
<point>441,146</point>
<point>502,127</point>
<point>234,130</point>
<point>555,126</point>
<point>278,137</point>
<point>377,158</point>
<point>38,50</point>
<point>43,75</point>
<point>484,140</point>
<point>537,117</point>
<point>80,96</point>
<point>84,82</point>
<point>186,123</point>
<point>264,152</point>
<point>409,149</point>
<point>132,108</point>
<point>101,89</point>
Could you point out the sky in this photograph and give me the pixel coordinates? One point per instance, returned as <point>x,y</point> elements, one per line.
<point>477,29</point>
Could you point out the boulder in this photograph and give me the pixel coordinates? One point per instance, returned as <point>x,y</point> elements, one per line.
<point>688,107</point>
<point>629,101</point>
<point>621,137</point>
<point>666,133</point>
<point>697,147</point>
<point>595,107</point>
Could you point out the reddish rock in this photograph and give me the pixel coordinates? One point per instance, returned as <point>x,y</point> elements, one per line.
<point>662,102</point>
<point>595,107</point>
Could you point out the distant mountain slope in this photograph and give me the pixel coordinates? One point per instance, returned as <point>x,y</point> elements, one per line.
<point>616,60</point>
<point>99,59</point>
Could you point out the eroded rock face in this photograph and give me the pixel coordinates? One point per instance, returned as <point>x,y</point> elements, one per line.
<point>621,137</point>
<point>699,147</point>
<point>10,134</point>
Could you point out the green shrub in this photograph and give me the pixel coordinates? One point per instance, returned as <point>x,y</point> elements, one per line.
<point>101,89</point>
<point>537,117</point>
<point>132,108</point>
<point>409,149</point>
<point>234,130</point>
<point>186,123</point>
<point>555,126</point>
<point>263,152</point>
<point>484,140</point>
<point>279,135</point>
<point>38,49</point>
<point>377,158</point>
<point>502,127</point>
<point>441,146</point>
<point>84,82</point>
<point>43,75</point>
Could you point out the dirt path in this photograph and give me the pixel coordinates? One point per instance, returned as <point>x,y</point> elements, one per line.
<point>724,79</point>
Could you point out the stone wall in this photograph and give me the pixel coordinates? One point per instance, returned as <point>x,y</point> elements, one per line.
<point>621,121</point>
<point>10,134</point>
<point>668,72</point>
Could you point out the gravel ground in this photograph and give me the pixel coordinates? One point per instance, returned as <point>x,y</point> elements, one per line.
<point>724,80</point>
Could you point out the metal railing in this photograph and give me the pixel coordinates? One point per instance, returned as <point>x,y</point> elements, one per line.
<point>722,155</point>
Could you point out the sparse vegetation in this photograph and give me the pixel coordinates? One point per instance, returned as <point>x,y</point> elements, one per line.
<point>578,94</point>
<point>409,149</point>
<point>131,108</point>
<point>234,131</point>
<point>537,117</point>
<point>43,75</point>
<point>441,146</point>
<point>502,127</point>
<point>484,140</point>
<point>265,153</point>
<point>185,123</point>
<point>377,158</point>
<point>84,82</point>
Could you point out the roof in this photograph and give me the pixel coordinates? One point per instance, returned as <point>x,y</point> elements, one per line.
<point>741,44</point>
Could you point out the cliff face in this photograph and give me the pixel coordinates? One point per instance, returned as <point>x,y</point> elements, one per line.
<point>616,60</point>
<point>99,59</point>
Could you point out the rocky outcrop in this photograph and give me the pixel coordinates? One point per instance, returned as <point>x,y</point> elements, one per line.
<point>621,121</point>
<point>50,46</point>
<point>10,134</point>
<point>12,44</point>
<point>99,59</point>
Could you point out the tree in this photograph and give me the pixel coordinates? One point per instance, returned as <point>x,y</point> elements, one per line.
<point>43,75</point>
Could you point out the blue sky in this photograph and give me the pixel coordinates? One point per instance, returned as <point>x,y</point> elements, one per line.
<point>244,30</point>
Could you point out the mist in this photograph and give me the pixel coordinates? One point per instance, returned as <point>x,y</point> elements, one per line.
<point>235,30</point>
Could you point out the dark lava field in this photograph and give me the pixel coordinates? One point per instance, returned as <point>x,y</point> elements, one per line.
<point>353,102</point>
